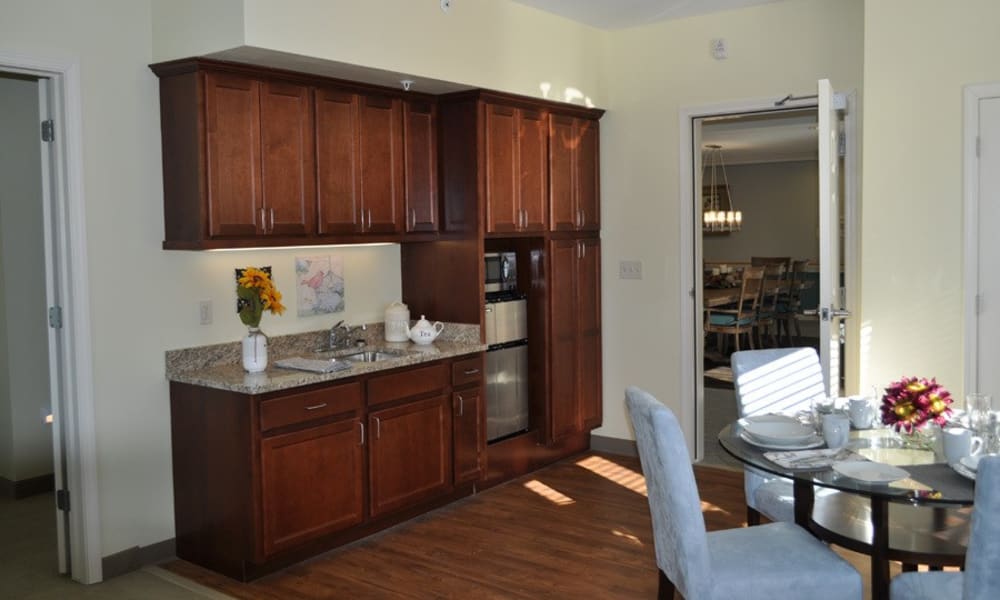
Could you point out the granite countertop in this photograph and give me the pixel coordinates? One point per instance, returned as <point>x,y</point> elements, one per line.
<point>219,366</point>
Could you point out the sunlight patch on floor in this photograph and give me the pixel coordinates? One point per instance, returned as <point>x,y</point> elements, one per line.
<point>616,473</point>
<point>627,536</point>
<point>548,493</point>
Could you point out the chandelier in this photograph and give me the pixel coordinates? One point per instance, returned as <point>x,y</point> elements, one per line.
<point>719,213</point>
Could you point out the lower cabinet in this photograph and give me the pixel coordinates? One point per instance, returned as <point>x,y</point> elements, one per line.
<point>409,453</point>
<point>312,483</point>
<point>468,409</point>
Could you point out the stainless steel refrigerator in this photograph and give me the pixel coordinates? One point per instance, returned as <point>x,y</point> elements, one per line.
<point>506,366</point>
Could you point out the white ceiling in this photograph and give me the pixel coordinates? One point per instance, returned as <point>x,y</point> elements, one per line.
<point>771,137</point>
<point>619,14</point>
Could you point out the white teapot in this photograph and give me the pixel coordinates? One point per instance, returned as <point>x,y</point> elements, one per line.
<point>423,332</point>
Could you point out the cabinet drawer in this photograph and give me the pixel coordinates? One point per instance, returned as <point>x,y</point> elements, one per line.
<point>299,408</point>
<point>407,383</point>
<point>467,370</point>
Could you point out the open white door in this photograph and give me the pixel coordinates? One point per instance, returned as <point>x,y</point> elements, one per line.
<point>830,296</point>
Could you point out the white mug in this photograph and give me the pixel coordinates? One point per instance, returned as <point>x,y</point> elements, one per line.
<point>959,443</point>
<point>836,428</point>
<point>861,411</point>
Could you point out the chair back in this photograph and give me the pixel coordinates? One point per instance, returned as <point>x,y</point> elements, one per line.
<point>751,284</point>
<point>778,380</point>
<point>679,536</point>
<point>773,286</point>
<point>796,276</point>
<point>760,261</point>
<point>982,577</point>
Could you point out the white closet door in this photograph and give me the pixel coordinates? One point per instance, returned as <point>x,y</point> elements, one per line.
<point>988,223</point>
<point>830,309</point>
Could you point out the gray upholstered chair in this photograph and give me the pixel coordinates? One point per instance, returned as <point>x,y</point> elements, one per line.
<point>777,560</point>
<point>782,381</point>
<point>981,579</point>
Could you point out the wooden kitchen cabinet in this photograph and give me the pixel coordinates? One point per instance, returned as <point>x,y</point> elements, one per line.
<point>380,129</point>
<point>575,332</point>
<point>409,454</point>
<point>574,174</point>
<point>468,408</point>
<point>421,172</point>
<point>516,169</point>
<point>259,149</point>
<point>312,483</point>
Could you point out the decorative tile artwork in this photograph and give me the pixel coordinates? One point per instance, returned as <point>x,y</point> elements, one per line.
<point>320,283</point>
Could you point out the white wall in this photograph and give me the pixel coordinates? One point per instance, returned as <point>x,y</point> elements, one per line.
<point>25,389</point>
<point>652,73</point>
<point>778,201</point>
<point>915,68</point>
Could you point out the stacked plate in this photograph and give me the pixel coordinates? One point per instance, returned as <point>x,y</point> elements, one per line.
<point>779,432</point>
<point>966,467</point>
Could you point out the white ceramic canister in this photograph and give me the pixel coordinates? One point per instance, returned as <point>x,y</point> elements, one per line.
<point>397,322</point>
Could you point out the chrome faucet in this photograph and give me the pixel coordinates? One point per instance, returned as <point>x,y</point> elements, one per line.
<point>340,336</point>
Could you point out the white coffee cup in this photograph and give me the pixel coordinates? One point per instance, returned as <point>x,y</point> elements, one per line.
<point>959,442</point>
<point>861,411</point>
<point>836,428</point>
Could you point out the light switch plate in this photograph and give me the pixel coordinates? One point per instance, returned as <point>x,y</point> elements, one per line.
<point>629,269</point>
<point>205,312</point>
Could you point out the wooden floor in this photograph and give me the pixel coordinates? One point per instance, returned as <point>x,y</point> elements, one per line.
<point>577,529</point>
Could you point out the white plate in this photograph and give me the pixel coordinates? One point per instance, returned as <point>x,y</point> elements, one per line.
<point>970,462</point>
<point>780,432</point>
<point>963,470</point>
<point>814,442</point>
<point>872,472</point>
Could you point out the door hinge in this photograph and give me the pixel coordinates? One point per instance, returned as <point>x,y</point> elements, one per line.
<point>55,317</point>
<point>48,130</point>
<point>62,500</point>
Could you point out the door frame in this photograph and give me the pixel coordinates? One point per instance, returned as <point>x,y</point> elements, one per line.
<point>691,350</point>
<point>70,363</point>
<point>972,94</point>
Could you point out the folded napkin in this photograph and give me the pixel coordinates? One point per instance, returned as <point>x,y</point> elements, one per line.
<point>314,365</point>
<point>813,460</point>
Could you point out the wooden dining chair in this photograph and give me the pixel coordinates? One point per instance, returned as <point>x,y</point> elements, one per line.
<point>981,578</point>
<point>767,306</point>
<point>790,303</point>
<point>777,560</point>
<point>741,318</point>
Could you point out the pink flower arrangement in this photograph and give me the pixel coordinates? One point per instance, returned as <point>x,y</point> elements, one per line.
<point>912,402</point>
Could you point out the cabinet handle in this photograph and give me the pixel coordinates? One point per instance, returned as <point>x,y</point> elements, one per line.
<point>579,218</point>
<point>413,219</point>
<point>271,229</point>
<point>583,250</point>
<point>362,424</point>
<point>461,405</point>
<point>378,428</point>
<point>263,220</point>
<point>369,219</point>
<point>316,406</point>
<point>471,371</point>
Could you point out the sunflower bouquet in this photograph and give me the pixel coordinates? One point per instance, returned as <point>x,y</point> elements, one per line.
<point>255,293</point>
<point>912,402</point>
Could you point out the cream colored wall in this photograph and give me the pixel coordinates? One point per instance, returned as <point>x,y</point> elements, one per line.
<point>183,28</point>
<point>24,391</point>
<point>652,73</point>
<point>780,217</point>
<point>915,68</point>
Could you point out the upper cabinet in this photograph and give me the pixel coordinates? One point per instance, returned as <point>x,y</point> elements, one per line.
<point>574,174</point>
<point>516,170</point>
<point>420,166</point>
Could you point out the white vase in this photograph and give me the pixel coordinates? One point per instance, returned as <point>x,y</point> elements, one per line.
<point>254,351</point>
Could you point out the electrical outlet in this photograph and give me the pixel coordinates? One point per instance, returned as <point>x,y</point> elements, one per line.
<point>205,312</point>
<point>720,49</point>
<point>629,269</point>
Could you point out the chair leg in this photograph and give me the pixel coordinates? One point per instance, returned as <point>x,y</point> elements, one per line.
<point>665,591</point>
<point>753,517</point>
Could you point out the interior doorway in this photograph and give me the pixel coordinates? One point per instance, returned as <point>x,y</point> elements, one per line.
<point>692,127</point>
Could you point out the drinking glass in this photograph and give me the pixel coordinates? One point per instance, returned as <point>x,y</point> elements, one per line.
<point>822,405</point>
<point>978,406</point>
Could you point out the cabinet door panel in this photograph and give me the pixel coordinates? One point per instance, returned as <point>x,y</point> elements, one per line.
<point>588,319</point>
<point>410,454</point>
<point>501,169</point>
<point>287,159</point>
<point>588,175</point>
<point>420,140</point>
<point>533,169</point>
<point>232,140</point>
<point>470,433</point>
<point>562,142</point>
<point>311,483</point>
<point>338,195</point>
<point>563,328</point>
<point>381,154</point>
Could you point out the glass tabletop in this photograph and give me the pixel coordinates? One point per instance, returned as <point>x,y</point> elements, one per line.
<point>931,479</point>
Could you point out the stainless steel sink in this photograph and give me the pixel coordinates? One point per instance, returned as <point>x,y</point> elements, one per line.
<point>371,356</point>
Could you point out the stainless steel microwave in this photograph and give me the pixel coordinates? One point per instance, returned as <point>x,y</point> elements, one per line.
<point>501,271</point>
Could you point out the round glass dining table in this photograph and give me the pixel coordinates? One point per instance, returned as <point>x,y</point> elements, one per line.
<point>921,519</point>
